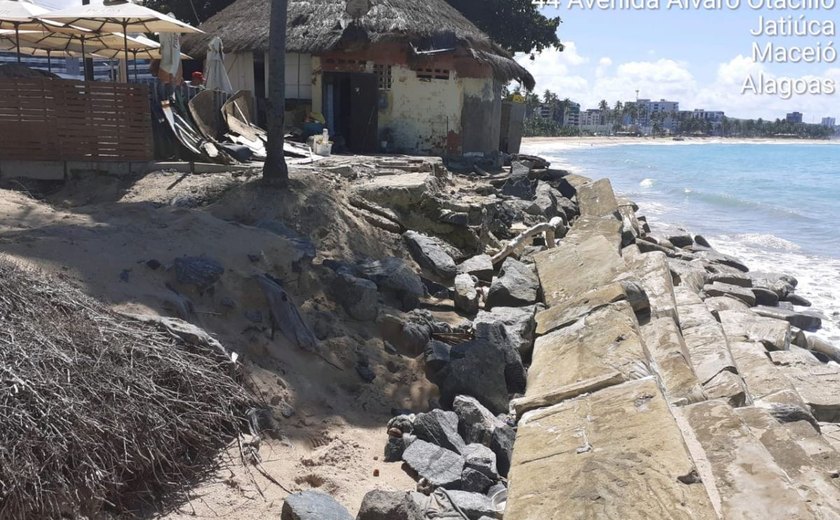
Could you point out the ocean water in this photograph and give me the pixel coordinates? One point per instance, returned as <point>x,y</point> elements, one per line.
<point>775,206</point>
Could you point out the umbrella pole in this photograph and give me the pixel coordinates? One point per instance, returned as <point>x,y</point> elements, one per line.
<point>84,63</point>
<point>49,63</point>
<point>125,41</point>
<point>135,65</point>
<point>17,41</point>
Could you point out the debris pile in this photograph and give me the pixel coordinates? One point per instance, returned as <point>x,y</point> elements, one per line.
<point>100,408</point>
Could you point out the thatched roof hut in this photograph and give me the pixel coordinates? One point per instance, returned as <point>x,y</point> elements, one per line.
<point>319,26</point>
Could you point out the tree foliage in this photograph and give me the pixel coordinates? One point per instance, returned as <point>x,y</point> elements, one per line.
<point>517,25</point>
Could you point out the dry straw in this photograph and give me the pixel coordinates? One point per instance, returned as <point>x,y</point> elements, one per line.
<point>97,409</point>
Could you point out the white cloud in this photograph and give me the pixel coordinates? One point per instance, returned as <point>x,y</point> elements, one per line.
<point>572,75</point>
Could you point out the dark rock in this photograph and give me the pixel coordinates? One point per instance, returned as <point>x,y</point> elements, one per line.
<point>719,258</point>
<point>441,467</point>
<point>489,367</point>
<point>435,289</point>
<point>390,349</point>
<point>781,284</point>
<point>366,373</point>
<point>733,291</point>
<point>765,297</point>
<point>519,324</point>
<point>474,505</point>
<point>153,264</point>
<point>795,299</point>
<point>475,481</point>
<point>650,247</point>
<point>520,168</point>
<point>253,258</point>
<point>441,428</point>
<point>701,241</point>
<point>681,240</point>
<point>502,446</point>
<point>520,187</point>
<point>358,296</point>
<point>480,266</point>
<point>739,279</point>
<point>389,505</point>
<point>403,422</point>
<point>481,458</point>
<point>228,302</point>
<point>437,357</point>
<point>396,279</point>
<point>124,275</point>
<point>253,316</point>
<point>517,285</point>
<point>545,201</point>
<point>465,295</point>
<point>396,447</point>
<point>803,320</point>
<point>199,271</point>
<point>313,505</point>
<point>476,423</point>
<point>429,253</point>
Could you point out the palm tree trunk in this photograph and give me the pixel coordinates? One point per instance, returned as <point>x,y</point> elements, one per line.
<point>275,170</point>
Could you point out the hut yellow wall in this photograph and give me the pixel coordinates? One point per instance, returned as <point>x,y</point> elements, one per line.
<point>424,116</point>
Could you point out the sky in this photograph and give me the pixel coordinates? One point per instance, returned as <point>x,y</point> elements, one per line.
<point>700,58</point>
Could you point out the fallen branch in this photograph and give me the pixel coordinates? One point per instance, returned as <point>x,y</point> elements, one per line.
<point>526,237</point>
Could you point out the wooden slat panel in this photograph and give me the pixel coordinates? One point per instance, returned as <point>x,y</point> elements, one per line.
<point>49,120</point>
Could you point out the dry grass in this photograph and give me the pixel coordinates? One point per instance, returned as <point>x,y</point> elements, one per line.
<point>99,410</point>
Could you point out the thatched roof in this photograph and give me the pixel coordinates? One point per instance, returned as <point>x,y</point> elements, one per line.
<point>318,26</point>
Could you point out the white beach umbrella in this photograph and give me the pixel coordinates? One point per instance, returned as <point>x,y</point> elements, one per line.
<point>215,75</point>
<point>18,15</point>
<point>119,16</point>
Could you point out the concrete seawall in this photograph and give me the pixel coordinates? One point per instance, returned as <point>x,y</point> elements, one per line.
<point>655,391</point>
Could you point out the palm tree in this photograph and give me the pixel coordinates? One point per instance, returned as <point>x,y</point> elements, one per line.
<point>604,107</point>
<point>275,170</point>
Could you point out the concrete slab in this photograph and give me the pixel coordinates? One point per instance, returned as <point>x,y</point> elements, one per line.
<point>747,326</point>
<point>594,347</point>
<point>669,357</point>
<point>597,199</point>
<point>572,269</point>
<point>614,454</point>
<point>751,486</point>
<point>762,377</point>
<point>801,452</point>
<point>569,311</point>
<point>655,276</point>
<point>817,383</point>
<point>587,227</point>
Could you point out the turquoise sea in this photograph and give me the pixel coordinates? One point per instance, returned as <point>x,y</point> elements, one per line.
<point>776,206</point>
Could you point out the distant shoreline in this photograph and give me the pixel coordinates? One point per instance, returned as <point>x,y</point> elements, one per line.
<point>598,141</point>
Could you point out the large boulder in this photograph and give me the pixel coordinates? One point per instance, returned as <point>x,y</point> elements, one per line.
<point>733,291</point>
<point>431,254</point>
<point>396,279</point>
<point>441,428</point>
<point>519,323</point>
<point>474,505</point>
<point>502,446</point>
<point>465,295</point>
<point>517,285</point>
<point>476,423</point>
<point>389,505</point>
<point>313,505</point>
<point>489,367</point>
<point>358,296</point>
<point>480,266</point>
<point>481,458</point>
<point>439,466</point>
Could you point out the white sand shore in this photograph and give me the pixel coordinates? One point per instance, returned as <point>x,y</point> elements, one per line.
<point>532,143</point>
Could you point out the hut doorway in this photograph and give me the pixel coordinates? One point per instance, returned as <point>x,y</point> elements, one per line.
<point>351,108</point>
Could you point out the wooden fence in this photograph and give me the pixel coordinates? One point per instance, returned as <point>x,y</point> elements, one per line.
<point>62,120</point>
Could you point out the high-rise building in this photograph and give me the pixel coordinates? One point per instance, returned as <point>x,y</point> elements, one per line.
<point>830,122</point>
<point>794,117</point>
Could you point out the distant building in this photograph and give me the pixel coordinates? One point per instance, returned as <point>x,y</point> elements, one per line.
<point>71,68</point>
<point>794,117</point>
<point>644,113</point>
<point>829,122</point>
<point>571,116</point>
